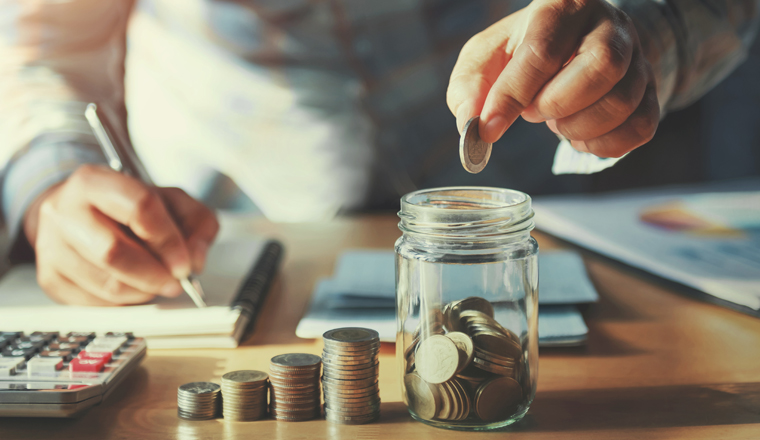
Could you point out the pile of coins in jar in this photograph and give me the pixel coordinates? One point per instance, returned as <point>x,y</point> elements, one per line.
<point>463,364</point>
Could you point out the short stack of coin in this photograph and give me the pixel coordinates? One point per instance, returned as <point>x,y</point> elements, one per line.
<point>198,401</point>
<point>294,392</point>
<point>245,395</point>
<point>349,380</point>
<point>473,367</point>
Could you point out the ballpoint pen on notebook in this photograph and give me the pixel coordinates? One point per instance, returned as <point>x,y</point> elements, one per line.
<point>124,160</point>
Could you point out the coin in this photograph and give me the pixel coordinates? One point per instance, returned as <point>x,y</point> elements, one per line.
<point>296,361</point>
<point>294,394</point>
<point>497,399</point>
<point>421,397</point>
<point>352,335</point>
<point>473,151</point>
<point>198,400</point>
<point>465,347</point>
<point>437,359</point>
<point>497,344</point>
<point>349,382</point>
<point>245,395</point>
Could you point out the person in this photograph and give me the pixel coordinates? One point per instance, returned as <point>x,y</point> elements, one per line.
<point>311,107</point>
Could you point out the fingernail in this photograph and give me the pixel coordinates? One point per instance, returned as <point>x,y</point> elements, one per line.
<point>171,289</point>
<point>552,124</point>
<point>179,264</point>
<point>494,129</point>
<point>580,146</point>
<point>464,114</point>
<point>199,255</point>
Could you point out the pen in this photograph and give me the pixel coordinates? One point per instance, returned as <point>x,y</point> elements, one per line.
<point>125,161</point>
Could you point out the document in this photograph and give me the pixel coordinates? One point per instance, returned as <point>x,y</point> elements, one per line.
<point>705,237</point>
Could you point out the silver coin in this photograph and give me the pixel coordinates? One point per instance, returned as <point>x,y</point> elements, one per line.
<point>349,393</point>
<point>353,356</point>
<point>473,151</point>
<point>352,350</point>
<point>363,383</point>
<point>351,335</point>
<point>296,360</point>
<point>199,387</point>
<point>245,377</point>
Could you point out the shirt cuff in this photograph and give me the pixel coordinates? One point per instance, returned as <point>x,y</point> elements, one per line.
<point>40,167</point>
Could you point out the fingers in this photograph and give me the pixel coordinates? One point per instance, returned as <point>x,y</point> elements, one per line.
<point>96,281</point>
<point>480,62</point>
<point>602,60</point>
<point>103,243</point>
<point>637,130</point>
<point>196,221</point>
<point>611,110</point>
<point>63,291</point>
<point>551,38</point>
<point>132,203</point>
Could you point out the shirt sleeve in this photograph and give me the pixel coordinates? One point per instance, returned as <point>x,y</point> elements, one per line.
<point>692,44</point>
<point>55,57</point>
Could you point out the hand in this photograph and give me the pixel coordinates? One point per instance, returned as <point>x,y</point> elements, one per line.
<point>577,65</point>
<point>84,255</point>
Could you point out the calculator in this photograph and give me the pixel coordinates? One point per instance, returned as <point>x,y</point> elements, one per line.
<point>51,374</point>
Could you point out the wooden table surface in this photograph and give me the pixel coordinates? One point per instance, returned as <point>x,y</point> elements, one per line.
<point>657,364</point>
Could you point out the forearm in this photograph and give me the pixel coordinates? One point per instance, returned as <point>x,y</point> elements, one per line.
<point>692,44</point>
<point>54,58</point>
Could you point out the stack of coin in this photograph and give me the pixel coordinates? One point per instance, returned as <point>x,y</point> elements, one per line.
<point>473,367</point>
<point>198,401</point>
<point>350,375</point>
<point>245,395</point>
<point>294,392</point>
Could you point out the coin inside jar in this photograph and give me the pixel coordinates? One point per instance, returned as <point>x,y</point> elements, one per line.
<point>497,398</point>
<point>473,151</point>
<point>437,359</point>
<point>465,347</point>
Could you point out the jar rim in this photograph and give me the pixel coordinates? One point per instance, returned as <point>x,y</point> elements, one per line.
<point>466,211</point>
<point>520,198</point>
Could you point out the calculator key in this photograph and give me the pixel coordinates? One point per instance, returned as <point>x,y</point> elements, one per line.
<point>86,365</point>
<point>45,336</point>
<point>119,340</point>
<point>39,366</point>
<point>8,366</point>
<point>127,335</point>
<point>26,342</point>
<point>25,353</point>
<point>66,355</point>
<point>71,346</point>
<point>102,355</point>
<point>88,335</point>
<point>81,340</point>
<point>4,342</point>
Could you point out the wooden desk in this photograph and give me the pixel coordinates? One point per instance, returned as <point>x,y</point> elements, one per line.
<point>658,365</point>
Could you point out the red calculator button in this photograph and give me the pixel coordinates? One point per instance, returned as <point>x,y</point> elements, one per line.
<point>104,355</point>
<point>86,365</point>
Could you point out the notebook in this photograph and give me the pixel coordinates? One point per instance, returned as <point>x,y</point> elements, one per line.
<point>706,237</point>
<point>362,293</point>
<point>237,276</point>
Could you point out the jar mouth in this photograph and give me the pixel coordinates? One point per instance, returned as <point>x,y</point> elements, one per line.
<point>466,210</point>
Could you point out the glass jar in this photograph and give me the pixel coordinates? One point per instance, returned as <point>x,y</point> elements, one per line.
<point>467,306</point>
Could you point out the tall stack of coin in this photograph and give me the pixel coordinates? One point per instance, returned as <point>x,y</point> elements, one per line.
<point>472,366</point>
<point>294,392</point>
<point>245,395</point>
<point>198,401</point>
<point>349,380</point>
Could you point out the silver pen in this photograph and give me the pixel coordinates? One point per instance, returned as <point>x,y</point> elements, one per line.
<point>124,160</point>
